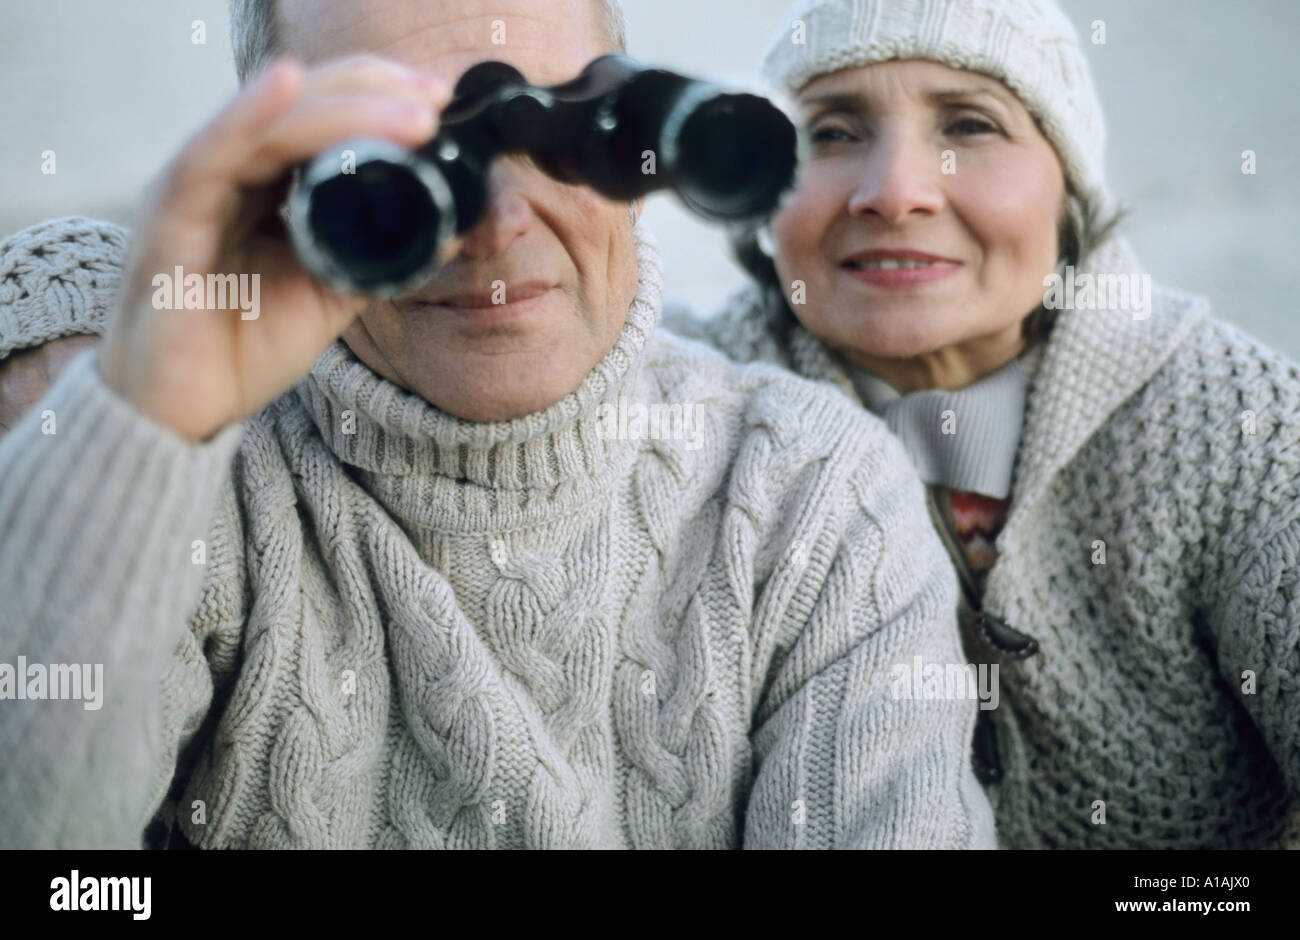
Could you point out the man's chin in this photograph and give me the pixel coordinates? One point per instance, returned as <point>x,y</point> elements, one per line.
<point>501,388</point>
<point>501,362</point>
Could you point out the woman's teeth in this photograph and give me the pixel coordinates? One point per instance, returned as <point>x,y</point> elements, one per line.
<point>890,265</point>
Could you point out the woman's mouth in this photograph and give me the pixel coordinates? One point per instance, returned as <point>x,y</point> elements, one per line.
<point>894,272</point>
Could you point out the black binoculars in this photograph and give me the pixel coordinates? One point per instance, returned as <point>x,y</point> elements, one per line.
<point>375,222</point>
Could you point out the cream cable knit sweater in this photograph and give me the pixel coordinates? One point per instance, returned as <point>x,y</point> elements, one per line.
<point>1137,435</point>
<point>409,630</point>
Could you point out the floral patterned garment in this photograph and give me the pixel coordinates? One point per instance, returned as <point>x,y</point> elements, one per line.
<point>976,521</point>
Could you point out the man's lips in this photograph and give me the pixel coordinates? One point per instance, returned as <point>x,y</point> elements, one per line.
<point>502,295</point>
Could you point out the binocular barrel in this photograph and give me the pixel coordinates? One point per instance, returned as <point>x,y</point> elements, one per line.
<point>370,217</point>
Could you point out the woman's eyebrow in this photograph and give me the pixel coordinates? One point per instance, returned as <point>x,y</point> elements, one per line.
<point>948,95</point>
<point>834,101</point>
<point>854,101</point>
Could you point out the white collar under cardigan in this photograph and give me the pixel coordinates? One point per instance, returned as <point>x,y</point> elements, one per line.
<point>962,440</point>
<point>1152,548</point>
<point>439,633</point>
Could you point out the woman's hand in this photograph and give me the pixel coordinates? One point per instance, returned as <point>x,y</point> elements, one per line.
<point>26,374</point>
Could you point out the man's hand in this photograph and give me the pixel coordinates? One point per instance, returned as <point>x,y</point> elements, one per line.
<point>26,374</point>
<point>215,211</point>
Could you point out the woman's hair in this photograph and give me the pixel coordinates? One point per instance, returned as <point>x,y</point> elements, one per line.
<point>1083,227</point>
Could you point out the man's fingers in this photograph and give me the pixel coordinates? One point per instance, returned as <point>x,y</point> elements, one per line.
<point>328,104</point>
<point>317,123</point>
<point>286,117</point>
<point>382,76</point>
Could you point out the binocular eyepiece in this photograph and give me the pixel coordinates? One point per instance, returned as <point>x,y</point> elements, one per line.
<point>370,217</point>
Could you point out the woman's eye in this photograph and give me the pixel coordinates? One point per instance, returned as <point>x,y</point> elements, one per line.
<point>968,126</point>
<point>825,135</point>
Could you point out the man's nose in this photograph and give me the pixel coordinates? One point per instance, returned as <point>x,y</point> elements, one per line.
<point>506,215</point>
<point>899,178</point>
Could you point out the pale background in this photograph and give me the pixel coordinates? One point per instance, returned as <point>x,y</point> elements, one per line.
<point>115,86</point>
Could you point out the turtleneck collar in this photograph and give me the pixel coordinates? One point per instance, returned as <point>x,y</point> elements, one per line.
<point>964,439</point>
<point>433,469</point>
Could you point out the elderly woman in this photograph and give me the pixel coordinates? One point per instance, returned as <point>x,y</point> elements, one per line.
<point>1115,472</point>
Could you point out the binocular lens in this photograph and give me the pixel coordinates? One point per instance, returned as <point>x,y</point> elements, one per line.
<point>377,228</point>
<point>377,222</point>
<point>736,154</point>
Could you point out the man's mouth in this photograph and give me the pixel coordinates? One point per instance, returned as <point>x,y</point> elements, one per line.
<point>498,293</point>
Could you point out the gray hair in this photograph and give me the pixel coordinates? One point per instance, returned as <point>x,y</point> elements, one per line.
<point>1083,229</point>
<point>255,32</point>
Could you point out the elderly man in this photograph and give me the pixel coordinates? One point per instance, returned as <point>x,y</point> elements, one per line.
<point>368,574</point>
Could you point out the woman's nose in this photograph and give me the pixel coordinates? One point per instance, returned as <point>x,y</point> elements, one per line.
<point>899,178</point>
<point>506,215</point>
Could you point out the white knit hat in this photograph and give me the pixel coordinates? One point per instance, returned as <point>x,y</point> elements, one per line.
<point>1029,45</point>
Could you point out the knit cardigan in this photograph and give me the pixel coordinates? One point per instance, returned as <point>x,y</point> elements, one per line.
<point>1152,549</point>
<point>353,620</point>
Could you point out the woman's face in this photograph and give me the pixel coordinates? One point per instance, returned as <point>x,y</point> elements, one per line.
<point>914,156</point>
